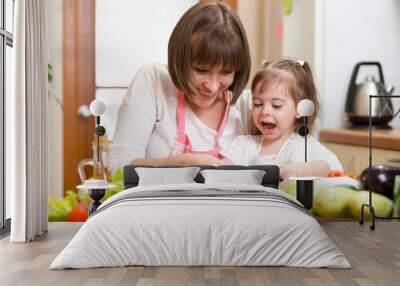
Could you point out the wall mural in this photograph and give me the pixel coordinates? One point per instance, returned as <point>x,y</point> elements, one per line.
<point>335,194</point>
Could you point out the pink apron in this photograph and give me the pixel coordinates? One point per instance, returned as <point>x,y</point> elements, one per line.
<point>182,143</point>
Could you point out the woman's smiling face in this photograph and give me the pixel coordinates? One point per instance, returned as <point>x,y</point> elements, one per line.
<point>209,84</point>
<point>274,113</point>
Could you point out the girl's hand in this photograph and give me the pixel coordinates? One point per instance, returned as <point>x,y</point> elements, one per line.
<point>298,169</point>
<point>291,170</point>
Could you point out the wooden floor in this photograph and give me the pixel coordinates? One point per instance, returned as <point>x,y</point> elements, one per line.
<point>374,255</point>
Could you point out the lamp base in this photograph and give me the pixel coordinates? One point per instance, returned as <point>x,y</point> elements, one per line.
<point>96,195</point>
<point>305,193</point>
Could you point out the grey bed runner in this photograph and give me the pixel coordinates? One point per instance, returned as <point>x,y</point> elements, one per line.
<point>205,194</point>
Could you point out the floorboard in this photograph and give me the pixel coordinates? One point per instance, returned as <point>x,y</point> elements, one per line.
<point>374,255</point>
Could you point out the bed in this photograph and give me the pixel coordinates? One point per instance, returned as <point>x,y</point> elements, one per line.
<point>201,223</point>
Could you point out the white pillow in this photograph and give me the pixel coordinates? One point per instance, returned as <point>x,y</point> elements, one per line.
<point>164,176</point>
<point>248,177</point>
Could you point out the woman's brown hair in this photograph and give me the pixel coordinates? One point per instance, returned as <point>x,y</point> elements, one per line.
<point>209,34</point>
<point>294,77</point>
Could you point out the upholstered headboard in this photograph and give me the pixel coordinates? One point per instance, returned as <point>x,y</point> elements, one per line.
<point>270,179</point>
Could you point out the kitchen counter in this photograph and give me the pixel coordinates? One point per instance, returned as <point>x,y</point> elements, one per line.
<point>388,139</point>
<point>351,147</point>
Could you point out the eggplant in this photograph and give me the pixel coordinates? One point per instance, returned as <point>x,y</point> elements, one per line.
<point>382,179</point>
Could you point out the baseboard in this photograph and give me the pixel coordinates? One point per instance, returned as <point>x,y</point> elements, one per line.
<point>5,231</point>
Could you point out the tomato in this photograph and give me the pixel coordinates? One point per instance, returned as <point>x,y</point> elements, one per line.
<point>335,173</point>
<point>78,213</point>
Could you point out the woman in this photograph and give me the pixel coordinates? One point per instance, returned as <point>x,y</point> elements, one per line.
<point>180,114</point>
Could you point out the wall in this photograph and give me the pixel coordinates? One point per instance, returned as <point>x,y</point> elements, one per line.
<point>119,53</point>
<point>299,31</point>
<point>121,48</point>
<point>261,19</point>
<point>354,31</point>
<point>333,36</point>
<point>299,39</point>
<point>54,19</point>
<point>251,15</point>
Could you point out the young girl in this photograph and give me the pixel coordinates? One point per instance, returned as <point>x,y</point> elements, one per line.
<point>277,89</point>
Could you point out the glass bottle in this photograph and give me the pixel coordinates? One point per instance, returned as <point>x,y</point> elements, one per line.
<point>101,168</point>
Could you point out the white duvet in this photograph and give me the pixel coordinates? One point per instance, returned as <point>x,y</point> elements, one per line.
<point>206,230</point>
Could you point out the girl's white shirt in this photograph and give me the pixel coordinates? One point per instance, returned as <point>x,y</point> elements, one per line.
<point>245,149</point>
<point>147,123</point>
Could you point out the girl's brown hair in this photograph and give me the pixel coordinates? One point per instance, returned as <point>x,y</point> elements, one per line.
<point>209,34</point>
<point>295,78</point>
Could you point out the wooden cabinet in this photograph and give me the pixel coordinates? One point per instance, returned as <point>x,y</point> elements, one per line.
<point>351,147</point>
<point>356,158</point>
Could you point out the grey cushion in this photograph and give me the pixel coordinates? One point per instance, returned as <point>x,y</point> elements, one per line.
<point>248,177</point>
<point>270,179</point>
<point>166,176</point>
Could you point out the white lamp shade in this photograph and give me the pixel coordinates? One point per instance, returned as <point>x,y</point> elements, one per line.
<point>97,107</point>
<point>305,107</point>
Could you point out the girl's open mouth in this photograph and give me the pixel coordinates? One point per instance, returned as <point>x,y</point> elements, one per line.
<point>268,126</point>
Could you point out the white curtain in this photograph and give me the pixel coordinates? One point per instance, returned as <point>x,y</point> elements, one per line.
<point>26,128</point>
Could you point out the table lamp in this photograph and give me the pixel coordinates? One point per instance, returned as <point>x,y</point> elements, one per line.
<point>305,185</point>
<point>98,184</point>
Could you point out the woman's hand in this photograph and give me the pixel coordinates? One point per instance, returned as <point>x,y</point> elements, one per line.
<point>197,159</point>
<point>183,159</point>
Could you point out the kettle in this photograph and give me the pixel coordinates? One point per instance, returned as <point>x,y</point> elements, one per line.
<point>357,102</point>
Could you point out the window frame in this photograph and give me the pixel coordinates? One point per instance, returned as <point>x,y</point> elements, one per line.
<point>6,39</point>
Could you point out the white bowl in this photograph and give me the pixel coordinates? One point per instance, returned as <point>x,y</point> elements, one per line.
<point>304,178</point>
<point>96,184</point>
